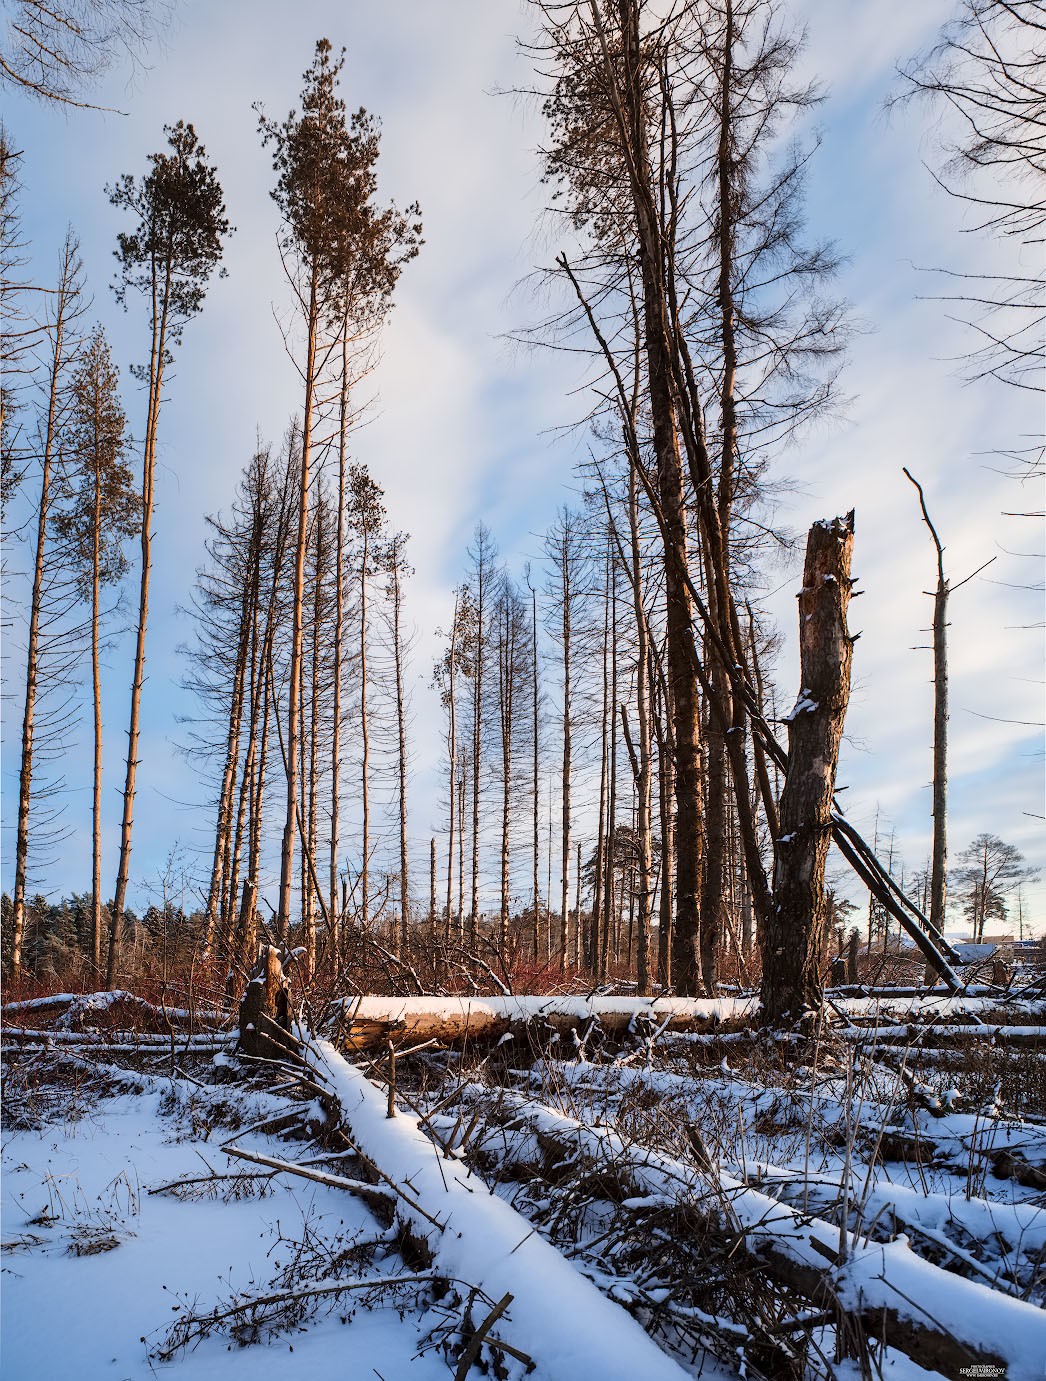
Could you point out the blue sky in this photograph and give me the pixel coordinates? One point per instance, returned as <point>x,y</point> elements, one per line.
<point>465,426</point>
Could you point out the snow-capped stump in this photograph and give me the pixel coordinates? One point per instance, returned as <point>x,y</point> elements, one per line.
<point>265,1015</point>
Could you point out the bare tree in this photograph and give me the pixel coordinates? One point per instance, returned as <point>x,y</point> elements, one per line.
<point>398,570</point>
<point>56,49</point>
<point>987,70</point>
<point>21,326</point>
<point>564,549</point>
<point>366,517</point>
<point>535,731</point>
<point>510,644</point>
<point>65,308</point>
<point>483,554</point>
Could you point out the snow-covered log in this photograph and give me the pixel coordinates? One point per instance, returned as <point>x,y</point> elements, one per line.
<point>557,1317</point>
<point>943,1320</point>
<point>369,1021</point>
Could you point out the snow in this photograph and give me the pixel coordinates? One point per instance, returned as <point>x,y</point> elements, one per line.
<point>91,1171</point>
<point>557,1316</point>
<point>87,1316</point>
<point>876,1275</point>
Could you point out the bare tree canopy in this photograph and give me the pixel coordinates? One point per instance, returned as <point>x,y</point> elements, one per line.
<point>987,73</point>
<point>59,50</point>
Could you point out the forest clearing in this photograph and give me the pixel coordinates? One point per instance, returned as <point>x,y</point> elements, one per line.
<point>477,900</point>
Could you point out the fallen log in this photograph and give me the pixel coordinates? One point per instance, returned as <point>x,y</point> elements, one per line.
<point>940,1319</point>
<point>370,1021</point>
<point>557,1316</point>
<point>925,1035</point>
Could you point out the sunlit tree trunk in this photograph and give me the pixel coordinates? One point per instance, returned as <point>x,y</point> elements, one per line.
<point>294,691</point>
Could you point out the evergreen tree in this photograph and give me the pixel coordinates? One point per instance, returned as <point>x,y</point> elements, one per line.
<point>169,258</point>
<point>102,512</point>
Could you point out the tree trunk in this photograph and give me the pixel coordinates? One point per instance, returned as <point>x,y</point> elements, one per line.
<point>506,695</point>
<point>666,805</point>
<point>477,744</point>
<point>592,958</point>
<point>265,1016</point>
<point>609,850</point>
<point>220,873</point>
<point>433,913</point>
<point>939,856</point>
<point>564,892</point>
<point>308,884</point>
<point>96,694</point>
<point>339,636</point>
<point>65,306</point>
<point>157,360</point>
<point>534,729</point>
<point>290,823</point>
<point>401,729</point>
<point>364,740</point>
<point>642,770</point>
<point>793,942</point>
<point>254,687</point>
<point>631,111</point>
<point>461,854</point>
<point>452,754</point>
<point>577,910</point>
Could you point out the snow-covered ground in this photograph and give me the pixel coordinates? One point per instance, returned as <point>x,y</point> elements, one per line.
<point>96,1268</point>
<point>591,1193</point>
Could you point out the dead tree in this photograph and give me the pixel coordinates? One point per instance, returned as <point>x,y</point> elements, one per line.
<point>398,570</point>
<point>483,556</point>
<point>101,515</point>
<point>367,520</point>
<point>66,309</point>
<point>795,929</point>
<point>563,550</point>
<point>536,745</point>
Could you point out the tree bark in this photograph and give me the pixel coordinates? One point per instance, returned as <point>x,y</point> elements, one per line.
<point>452,755</point>
<point>401,730</point>
<point>364,740</point>
<point>564,891</point>
<point>157,358</point>
<point>536,765</point>
<point>642,770</point>
<point>339,634</point>
<point>433,913</point>
<point>793,941</point>
<point>96,695</point>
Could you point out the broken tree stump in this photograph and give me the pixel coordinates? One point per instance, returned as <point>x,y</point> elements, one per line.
<point>265,1012</point>
<point>796,928</point>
